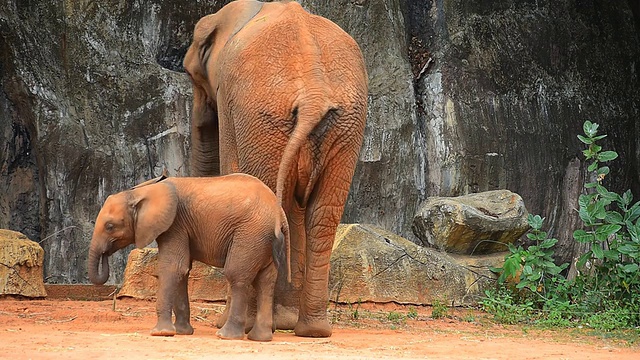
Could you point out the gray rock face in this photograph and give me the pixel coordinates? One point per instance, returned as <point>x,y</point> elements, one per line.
<point>371,264</point>
<point>464,97</point>
<point>472,224</point>
<point>88,107</point>
<point>20,265</point>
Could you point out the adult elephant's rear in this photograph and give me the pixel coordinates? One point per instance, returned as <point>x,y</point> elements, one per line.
<point>282,94</point>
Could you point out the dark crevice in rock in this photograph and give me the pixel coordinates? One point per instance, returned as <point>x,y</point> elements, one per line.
<point>171,57</point>
<point>19,176</point>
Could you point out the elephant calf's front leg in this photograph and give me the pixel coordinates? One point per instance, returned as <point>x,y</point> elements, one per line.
<point>168,285</point>
<point>181,308</point>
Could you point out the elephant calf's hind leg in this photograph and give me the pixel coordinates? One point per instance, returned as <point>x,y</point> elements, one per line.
<point>264,284</point>
<point>235,325</point>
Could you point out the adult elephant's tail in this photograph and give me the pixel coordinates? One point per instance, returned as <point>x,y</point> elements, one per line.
<point>309,115</point>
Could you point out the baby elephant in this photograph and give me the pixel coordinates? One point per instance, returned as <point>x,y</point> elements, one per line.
<point>231,221</point>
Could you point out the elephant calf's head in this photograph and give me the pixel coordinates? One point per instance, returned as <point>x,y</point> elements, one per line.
<point>135,216</point>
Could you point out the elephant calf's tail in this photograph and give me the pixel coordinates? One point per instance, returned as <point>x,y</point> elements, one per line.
<point>283,243</point>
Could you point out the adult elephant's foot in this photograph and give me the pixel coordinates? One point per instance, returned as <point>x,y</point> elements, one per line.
<point>228,332</point>
<point>163,330</point>
<point>260,333</point>
<point>285,317</point>
<point>183,328</point>
<point>313,328</point>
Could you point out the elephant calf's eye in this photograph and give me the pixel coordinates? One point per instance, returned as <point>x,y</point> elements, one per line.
<point>109,227</point>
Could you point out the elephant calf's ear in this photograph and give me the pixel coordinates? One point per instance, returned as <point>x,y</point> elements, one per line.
<point>155,207</point>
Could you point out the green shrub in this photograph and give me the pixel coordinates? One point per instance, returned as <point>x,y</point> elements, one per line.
<point>501,304</point>
<point>439,309</point>
<point>532,268</point>
<point>612,229</point>
<point>413,313</point>
<point>605,294</point>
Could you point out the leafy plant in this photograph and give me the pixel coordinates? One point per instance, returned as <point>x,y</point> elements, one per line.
<point>605,295</point>
<point>355,312</point>
<point>532,268</point>
<point>395,316</point>
<point>504,308</point>
<point>611,227</point>
<point>412,313</point>
<point>469,317</point>
<point>439,309</point>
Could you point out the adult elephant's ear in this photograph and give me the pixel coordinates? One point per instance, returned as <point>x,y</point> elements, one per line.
<point>154,209</point>
<point>211,34</point>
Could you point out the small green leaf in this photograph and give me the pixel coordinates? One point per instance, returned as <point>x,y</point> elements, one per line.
<point>628,249</point>
<point>548,243</point>
<point>583,236</point>
<point>583,259</point>
<point>634,232</point>
<point>585,140</point>
<point>602,190</point>
<point>595,148</point>
<point>633,213</point>
<point>593,166</point>
<point>614,217</point>
<point>511,266</point>
<point>590,185</point>
<point>584,200</point>
<point>603,170</point>
<point>607,230</point>
<point>590,129</point>
<point>598,253</point>
<point>607,156</point>
<point>596,211</point>
<point>627,197</point>
<point>611,254</point>
<point>535,221</point>
<point>630,268</point>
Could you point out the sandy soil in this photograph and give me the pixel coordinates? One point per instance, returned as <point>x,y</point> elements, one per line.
<point>72,329</point>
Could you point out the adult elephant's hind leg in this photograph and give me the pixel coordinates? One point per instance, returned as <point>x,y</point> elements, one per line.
<point>324,211</point>
<point>264,284</point>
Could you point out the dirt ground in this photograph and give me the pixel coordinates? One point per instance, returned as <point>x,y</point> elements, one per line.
<point>60,328</point>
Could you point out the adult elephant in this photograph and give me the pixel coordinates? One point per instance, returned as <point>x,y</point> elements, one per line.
<point>281,94</point>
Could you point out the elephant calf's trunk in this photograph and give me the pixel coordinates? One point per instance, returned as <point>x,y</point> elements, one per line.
<point>97,275</point>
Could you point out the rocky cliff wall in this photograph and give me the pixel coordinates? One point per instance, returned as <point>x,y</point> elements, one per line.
<point>465,96</point>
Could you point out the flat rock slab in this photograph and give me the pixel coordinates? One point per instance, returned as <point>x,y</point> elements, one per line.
<point>476,224</point>
<point>367,264</point>
<point>21,271</point>
<point>371,264</point>
<point>141,279</point>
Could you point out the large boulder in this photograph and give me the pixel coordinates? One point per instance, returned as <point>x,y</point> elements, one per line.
<point>141,279</point>
<point>20,265</point>
<point>481,223</point>
<point>367,264</point>
<point>371,264</point>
